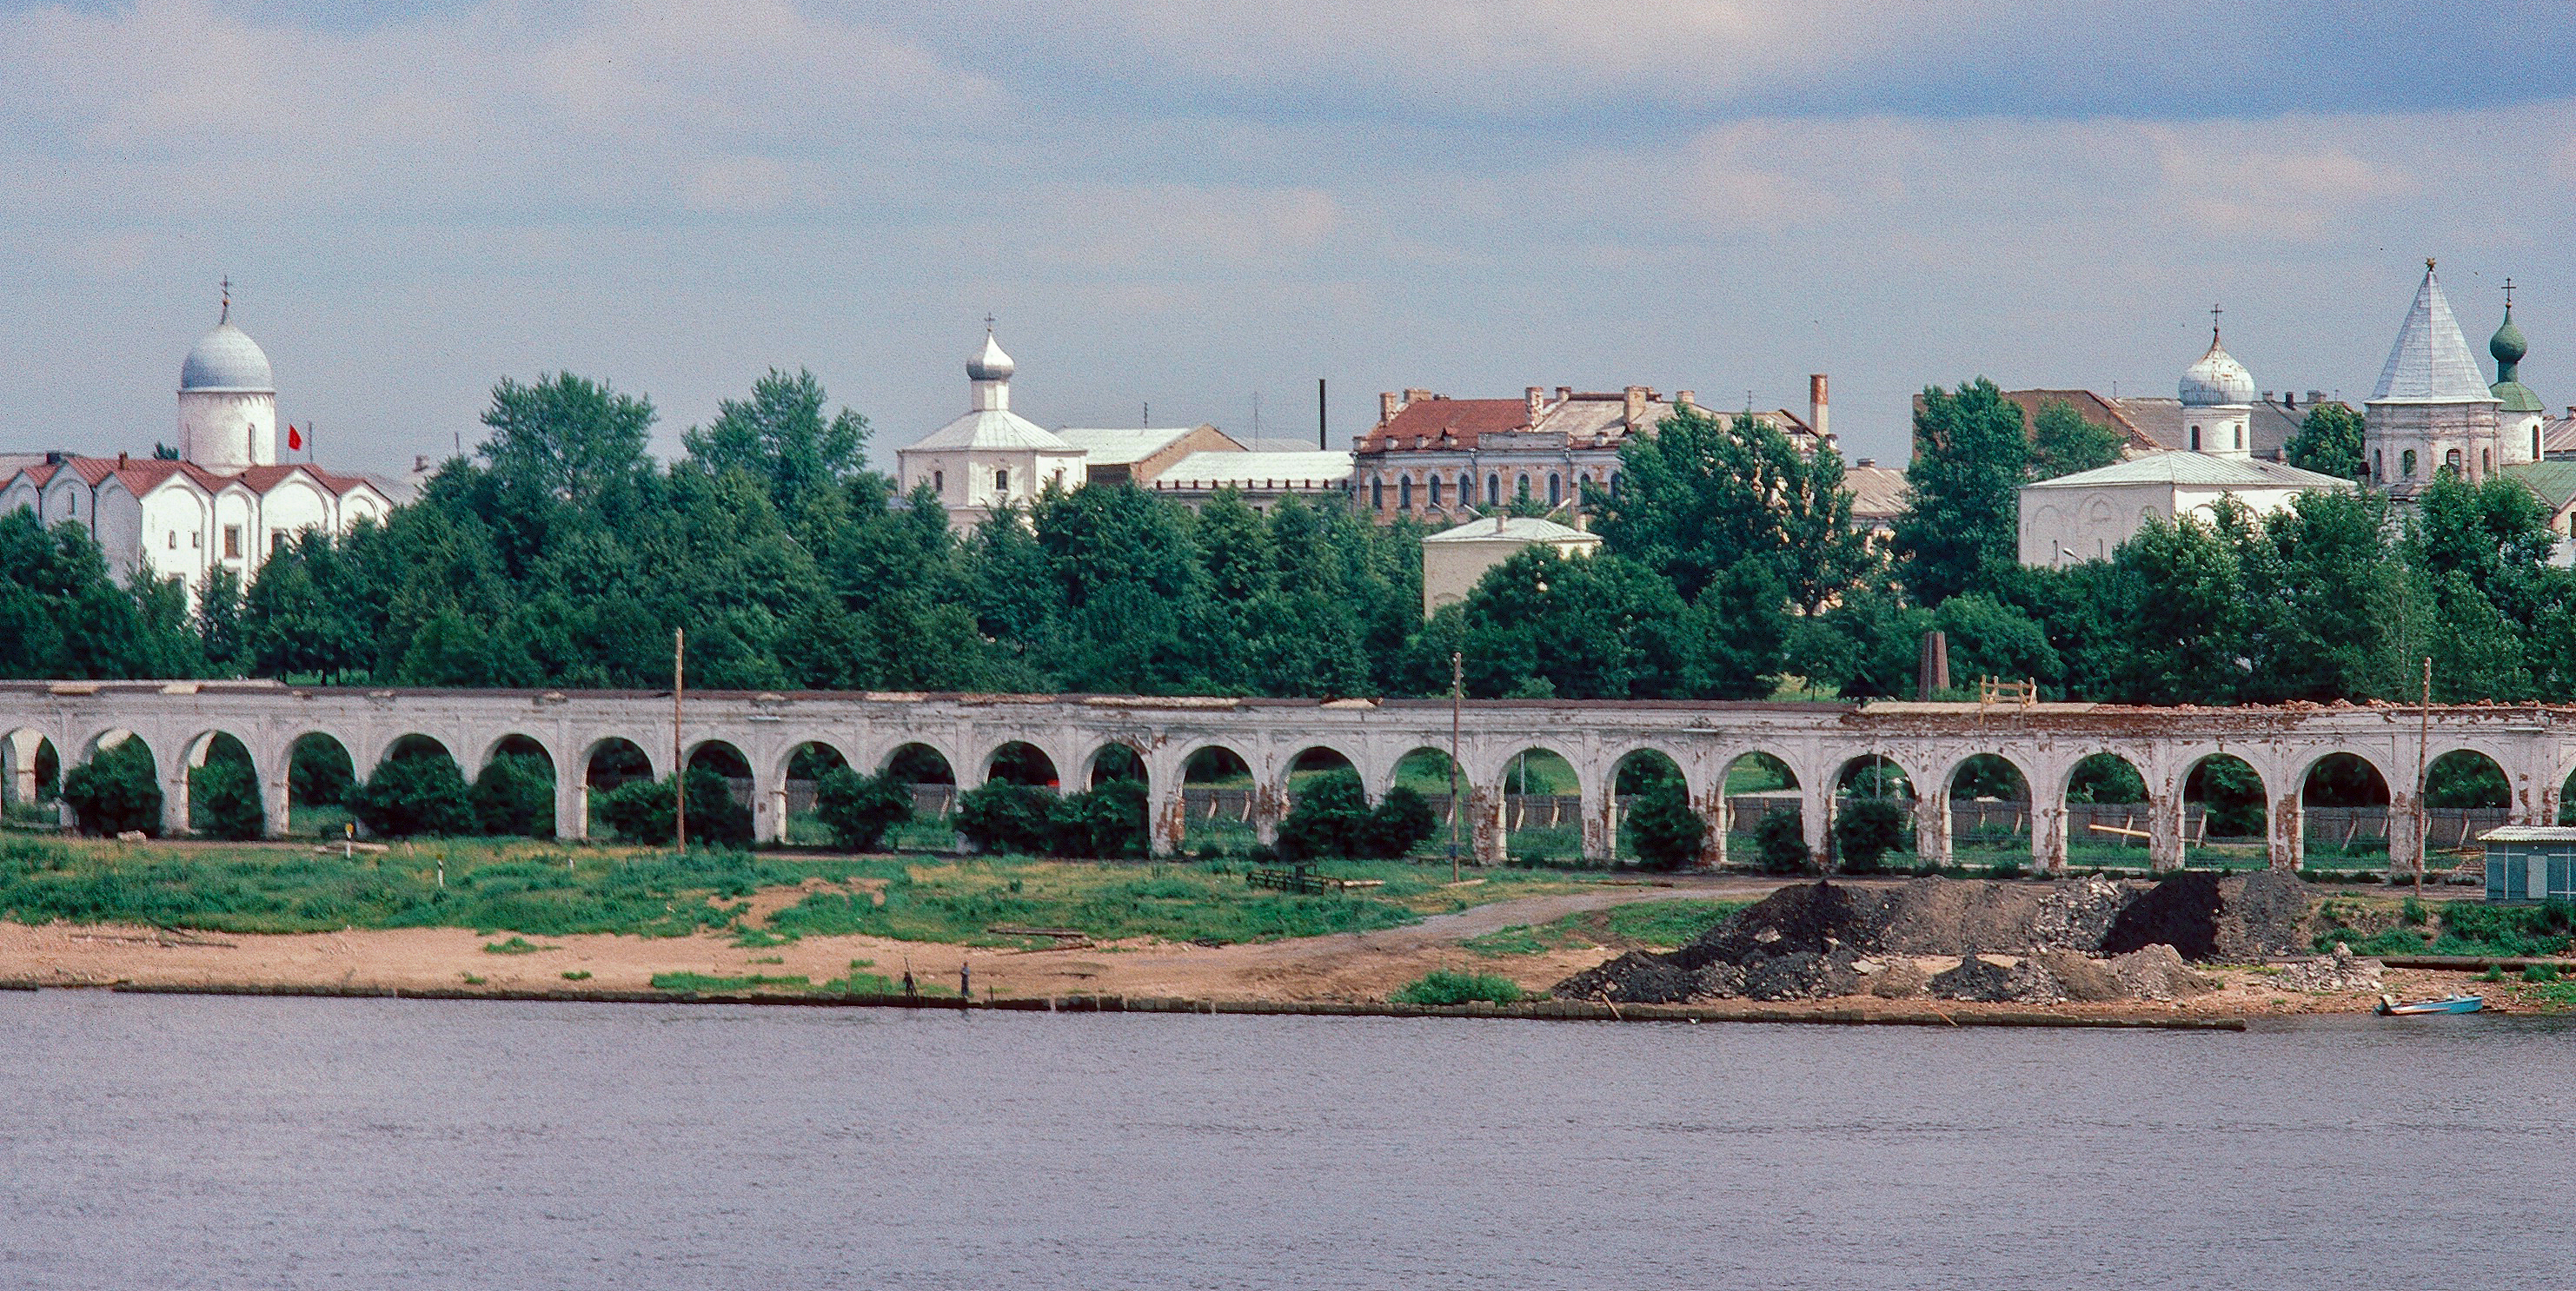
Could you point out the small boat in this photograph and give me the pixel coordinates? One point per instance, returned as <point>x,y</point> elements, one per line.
<point>2390,1008</point>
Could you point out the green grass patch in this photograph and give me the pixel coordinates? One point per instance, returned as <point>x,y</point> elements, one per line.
<point>515,946</point>
<point>1635,925</point>
<point>577,975</point>
<point>1449,986</point>
<point>703,984</point>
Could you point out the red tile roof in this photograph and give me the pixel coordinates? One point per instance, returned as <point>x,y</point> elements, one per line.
<point>1463,419</point>
<point>140,476</point>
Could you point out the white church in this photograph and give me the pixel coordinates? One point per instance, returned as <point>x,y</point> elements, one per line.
<point>2433,412</point>
<point>225,503</point>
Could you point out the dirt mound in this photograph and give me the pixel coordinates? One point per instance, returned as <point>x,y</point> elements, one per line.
<point>1638,977</point>
<point>1820,918</point>
<point>1999,980</point>
<point>1952,917</point>
<point>2159,973</point>
<point>2338,972</point>
<point>2205,917</point>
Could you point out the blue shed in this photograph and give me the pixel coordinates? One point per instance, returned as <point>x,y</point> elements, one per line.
<point>2531,863</point>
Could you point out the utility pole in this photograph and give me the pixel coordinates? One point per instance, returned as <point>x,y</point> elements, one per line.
<point>1457,693</point>
<point>679,772</point>
<point>2423,817</point>
<point>1320,442</point>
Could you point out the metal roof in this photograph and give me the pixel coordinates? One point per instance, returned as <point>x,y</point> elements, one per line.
<point>1218,469</point>
<point>993,428</point>
<point>1114,446</point>
<point>2529,834</point>
<point>1512,529</point>
<point>227,359</point>
<point>2199,469</point>
<point>2431,362</point>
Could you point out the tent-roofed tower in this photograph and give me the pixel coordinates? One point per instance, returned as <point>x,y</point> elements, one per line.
<point>227,399</point>
<point>2432,410</point>
<point>2519,412</point>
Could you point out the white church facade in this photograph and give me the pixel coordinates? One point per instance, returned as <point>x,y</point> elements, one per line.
<point>225,503</point>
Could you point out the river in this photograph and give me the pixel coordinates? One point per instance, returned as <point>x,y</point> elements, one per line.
<point>192,1141</point>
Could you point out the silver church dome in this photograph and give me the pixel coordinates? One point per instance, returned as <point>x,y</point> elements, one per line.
<point>992,364</point>
<point>227,359</point>
<point>2216,379</point>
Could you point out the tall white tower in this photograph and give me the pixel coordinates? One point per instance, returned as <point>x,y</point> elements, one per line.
<point>227,399</point>
<point>2218,402</point>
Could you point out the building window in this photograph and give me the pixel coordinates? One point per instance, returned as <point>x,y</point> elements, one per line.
<point>1377,493</point>
<point>276,541</point>
<point>2378,465</point>
<point>232,542</point>
<point>1404,494</point>
<point>173,544</point>
<point>2240,437</point>
<point>1466,489</point>
<point>2535,441</point>
<point>2406,464</point>
<point>939,482</point>
<point>2486,461</point>
<point>2195,439</point>
<point>1493,490</point>
<point>1002,481</point>
<point>1615,478</point>
<point>2451,462</point>
<point>1555,489</point>
<point>1523,487</point>
<point>196,540</point>
<point>1435,491</point>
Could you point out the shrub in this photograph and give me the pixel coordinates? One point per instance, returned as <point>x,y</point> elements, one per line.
<point>116,790</point>
<point>1400,822</point>
<point>1333,818</point>
<point>223,800</point>
<point>1449,986</point>
<point>1107,822</point>
<point>515,795</point>
<point>318,771</point>
<point>2540,973</point>
<point>1866,830</point>
<point>642,811</point>
<point>1663,828</point>
<point>413,795</point>
<point>860,809</point>
<point>998,816</point>
<point>1780,843</point>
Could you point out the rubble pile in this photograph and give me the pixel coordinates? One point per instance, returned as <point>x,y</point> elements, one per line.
<point>2340,971</point>
<point>2090,940</point>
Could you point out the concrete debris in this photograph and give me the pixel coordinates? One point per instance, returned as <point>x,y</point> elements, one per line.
<point>1999,979</point>
<point>2159,973</point>
<point>2338,972</point>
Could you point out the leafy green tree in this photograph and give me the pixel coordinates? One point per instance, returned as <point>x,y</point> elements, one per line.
<point>223,800</point>
<point>413,793</point>
<point>1704,494</point>
<point>1106,823</point>
<point>116,791</point>
<point>2063,442</point>
<point>1866,830</point>
<point>2329,442</point>
<point>1663,828</point>
<point>1327,819</point>
<point>1963,510</point>
<point>778,436</point>
<point>644,811</point>
<point>1592,627</point>
<point>1002,817</point>
<point>219,624</point>
<point>1780,844</point>
<point>1401,821</point>
<point>565,437</point>
<point>860,809</point>
<point>514,795</point>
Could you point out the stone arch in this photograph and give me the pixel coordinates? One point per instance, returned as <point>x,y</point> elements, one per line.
<point>1430,772</point>
<point>119,740</point>
<point>203,772</point>
<point>1541,803</point>
<point>31,768</point>
<point>1634,773</point>
<point>1021,762</point>
<point>1987,806</point>
<point>933,777</point>
<point>507,802</point>
<point>1867,838</point>
<point>1220,798</point>
<point>809,760</point>
<point>2466,792</point>
<point>2223,797</point>
<point>795,775</point>
<point>2109,814</point>
<point>609,762</point>
<point>415,745</point>
<point>1310,762</point>
<point>2343,806</point>
<point>319,771</point>
<point>1115,760</point>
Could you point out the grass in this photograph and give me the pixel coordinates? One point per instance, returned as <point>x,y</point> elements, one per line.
<point>961,901</point>
<point>1637,925</point>
<point>1449,986</point>
<point>703,984</point>
<point>577,975</point>
<point>2379,926</point>
<point>515,946</point>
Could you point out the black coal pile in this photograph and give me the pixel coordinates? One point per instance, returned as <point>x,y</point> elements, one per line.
<point>2042,942</point>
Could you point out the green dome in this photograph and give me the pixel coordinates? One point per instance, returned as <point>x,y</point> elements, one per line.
<point>2507,344</point>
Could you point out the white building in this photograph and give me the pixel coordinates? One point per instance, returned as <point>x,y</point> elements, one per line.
<point>990,457</point>
<point>1454,560</point>
<point>1262,478</point>
<point>225,503</point>
<point>2433,410</point>
<point>2087,515</point>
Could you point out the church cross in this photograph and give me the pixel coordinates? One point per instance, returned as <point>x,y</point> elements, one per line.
<point>228,300</point>
<point>2214,312</point>
<point>2508,295</point>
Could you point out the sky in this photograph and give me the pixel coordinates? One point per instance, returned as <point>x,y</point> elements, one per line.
<point>1196,205</point>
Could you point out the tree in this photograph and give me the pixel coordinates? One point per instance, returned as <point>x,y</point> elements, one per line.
<point>779,437</point>
<point>1400,822</point>
<point>219,624</point>
<point>2062,442</point>
<point>565,437</point>
<point>515,795</point>
<point>860,809</point>
<point>1106,823</point>
<point>223,800</point>
<point>1963,511</point>
<point>999,816</point>
<point>643,811</point>
<point>413,793</point>
<point>1780,843</point>
<point>1326,820</point>
<point>1663,827</point>
<point>1866,830</point>
<point>116,791</point>
<point>1704,494</point>
<point>2329,442</point>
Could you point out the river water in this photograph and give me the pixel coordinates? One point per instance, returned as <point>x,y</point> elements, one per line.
<point>178,1141</point>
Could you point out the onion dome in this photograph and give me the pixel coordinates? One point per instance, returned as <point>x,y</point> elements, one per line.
<point>2216,379</point>
<point>2508,347</point>
<point>992,364</point>
<point>227,359</point>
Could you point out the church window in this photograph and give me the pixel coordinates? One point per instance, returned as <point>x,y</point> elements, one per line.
<point>2486,461</point>
<point>173,544</point>
<point>1523,487</point>
<point>2451,462</point>
<point>1002,480</point>
<point>1377,493</point>
<point>232,542</point>
<point>276,541</point>
<point>2406,464</point>
<point>1555,489</point>
<point>1616,479</point>
<point>196,540</point>
<point>2378,465</point>
<point>2195,439</point>
<point>2240,437</point>
<point>1493,490</point>
<point>1435,490</point>
<point>1404,494</point>
<point>939,481</point>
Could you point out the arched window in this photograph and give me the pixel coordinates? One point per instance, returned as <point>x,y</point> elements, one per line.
<point>2451,461</point>
<point>1435,490</point>
<point>2406,464</point>
<point>2195,439</point>
<point>2240,437</point>
<point>1555,489</point>
<point>1615,480</point>
<point>1466,489</point>
<point>1002,480</point>
<point>1523,487</point>
<point>2378,465</point>
<point>2486,461</point>
<point>939,482</point>
<point>1404,494</point>
<point>1377,493</point>
<point>1493,490</point>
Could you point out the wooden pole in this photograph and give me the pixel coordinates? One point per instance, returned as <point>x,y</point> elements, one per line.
<point>2423,742</point>
<point>679,770</point>
<point>1457,693</point>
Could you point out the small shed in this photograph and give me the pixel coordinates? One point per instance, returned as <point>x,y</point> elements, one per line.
<point>2531,863</point>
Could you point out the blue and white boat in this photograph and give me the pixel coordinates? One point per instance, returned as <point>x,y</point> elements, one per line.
<point>2390,1008</point>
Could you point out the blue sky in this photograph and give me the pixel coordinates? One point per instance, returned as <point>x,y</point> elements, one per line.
<point>1190,203</point>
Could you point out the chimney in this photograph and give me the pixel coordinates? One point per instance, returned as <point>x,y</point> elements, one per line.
<point>1867,461</point>
<point>2289,398</point>
<point>1816,409</point>
<point>1684,398</point>
<point>120,461</point>
<point>1636,404</point>
<point>2316,396</point>
<point>1537,397</point>
<point>1386,406</point>
<point>1564,393</point>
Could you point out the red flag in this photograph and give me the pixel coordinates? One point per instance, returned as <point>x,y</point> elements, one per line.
<point>293,438</point>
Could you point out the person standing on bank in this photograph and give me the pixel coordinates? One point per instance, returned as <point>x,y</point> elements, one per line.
<point>965,983</point>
